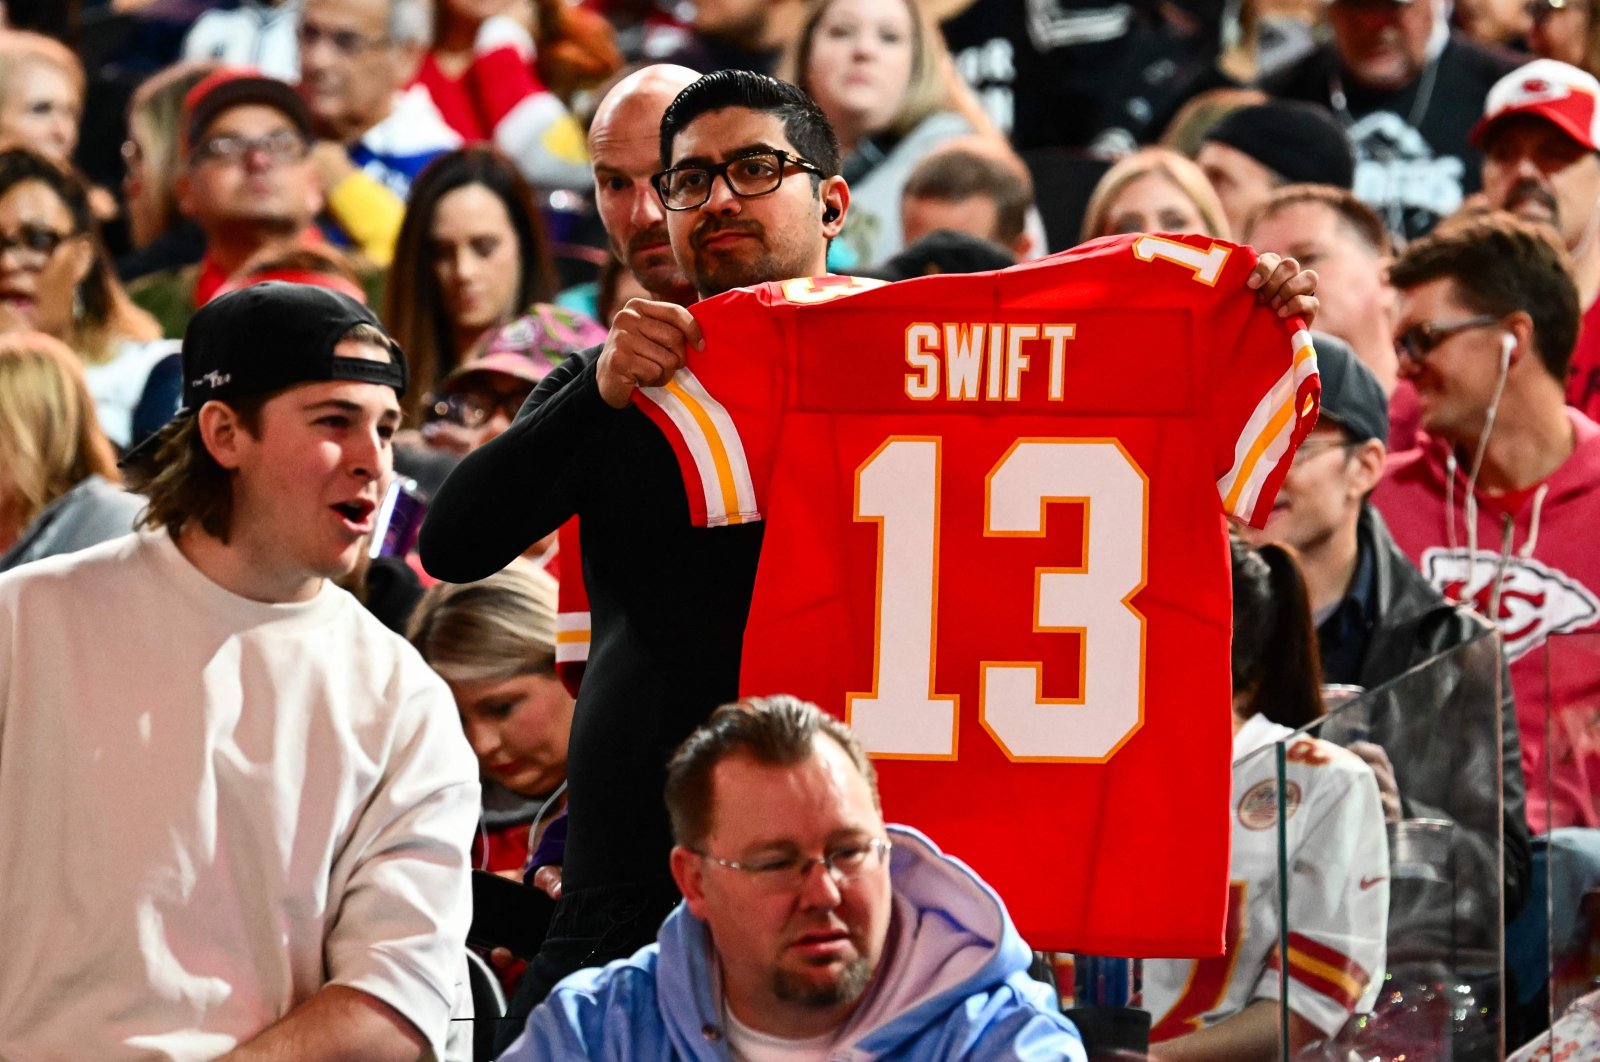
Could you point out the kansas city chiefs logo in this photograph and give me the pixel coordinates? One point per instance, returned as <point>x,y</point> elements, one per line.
<point>1537,90</point>
<point>1535,601</point>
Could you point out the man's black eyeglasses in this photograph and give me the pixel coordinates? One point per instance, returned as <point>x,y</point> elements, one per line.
<point>750,175</point>
<point>1418,341</point>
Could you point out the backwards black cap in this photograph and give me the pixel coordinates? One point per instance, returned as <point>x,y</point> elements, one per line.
<point>269,336</point>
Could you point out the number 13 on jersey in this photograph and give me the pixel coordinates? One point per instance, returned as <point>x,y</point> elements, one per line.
<point>904,715</point>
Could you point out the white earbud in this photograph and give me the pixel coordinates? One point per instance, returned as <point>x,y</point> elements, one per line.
<point>1508,343</point>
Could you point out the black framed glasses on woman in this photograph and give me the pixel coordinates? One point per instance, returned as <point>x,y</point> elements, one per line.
<point>33,245</point>
<point>752,174</point>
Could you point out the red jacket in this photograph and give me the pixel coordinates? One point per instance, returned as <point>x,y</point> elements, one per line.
<point>1531,564</point>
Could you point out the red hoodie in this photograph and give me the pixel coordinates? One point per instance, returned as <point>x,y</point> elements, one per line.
<point>1547,573</point>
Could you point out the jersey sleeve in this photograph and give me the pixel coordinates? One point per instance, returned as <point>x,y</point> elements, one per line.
<point>1338,895</point>
<point>1262,423</point>
<point>719,412</point>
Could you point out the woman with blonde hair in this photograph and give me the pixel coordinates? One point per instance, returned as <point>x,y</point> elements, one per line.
<point>1154,190</point>
<point>58,474</point>
<point>162,237</point>
<point>56,278</point>
<point>881,73</point>
<point>41,93</point>
<point>494,644</point>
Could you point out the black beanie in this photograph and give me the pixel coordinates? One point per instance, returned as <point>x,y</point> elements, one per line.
<point>1297,141</point>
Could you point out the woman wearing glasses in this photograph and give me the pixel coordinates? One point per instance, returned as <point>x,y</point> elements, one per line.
<point>56,278</point>
<point>472,256</point>
<point>161,236</point>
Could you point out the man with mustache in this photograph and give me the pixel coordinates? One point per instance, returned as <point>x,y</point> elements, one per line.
<point>669,600</point>
<point>624,148</point>
<point>1539,135</point>
<point>892,950</point>
<point>614,887</point>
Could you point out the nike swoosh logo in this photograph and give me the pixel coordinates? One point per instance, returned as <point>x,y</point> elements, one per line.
<point>1367,883</point>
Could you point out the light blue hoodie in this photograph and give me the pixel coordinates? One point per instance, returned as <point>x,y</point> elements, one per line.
<point>954,985</point>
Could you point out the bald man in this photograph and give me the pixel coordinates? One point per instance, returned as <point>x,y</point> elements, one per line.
<point>625,149</point>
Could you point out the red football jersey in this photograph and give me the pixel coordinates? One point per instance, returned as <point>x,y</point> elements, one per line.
<point>996,546</point>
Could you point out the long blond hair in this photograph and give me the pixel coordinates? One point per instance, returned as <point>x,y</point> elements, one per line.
<point>1183,175</point>
<point>156,112</point>
<point>927,92</point>
<point>18,48</point>
<point>490,630</point>
<point>50,437</point>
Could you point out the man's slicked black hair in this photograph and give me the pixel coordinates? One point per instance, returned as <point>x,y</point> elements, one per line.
<point>803,121</point>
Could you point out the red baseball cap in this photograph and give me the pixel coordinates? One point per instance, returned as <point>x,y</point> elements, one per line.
<point>234,85</point>
<point>1561,94</point>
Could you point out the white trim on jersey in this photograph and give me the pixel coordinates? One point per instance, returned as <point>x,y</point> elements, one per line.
<point>572,637</point>
<point>1262,444</point>
<point>713,443</point>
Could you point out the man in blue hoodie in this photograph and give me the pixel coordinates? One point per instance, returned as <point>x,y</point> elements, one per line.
<point>809,929</point>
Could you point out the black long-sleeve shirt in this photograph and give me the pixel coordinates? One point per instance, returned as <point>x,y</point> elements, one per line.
<point>668,601</point>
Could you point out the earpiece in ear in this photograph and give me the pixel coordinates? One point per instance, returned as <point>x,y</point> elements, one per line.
<point>1508,343</point>
<point>830,215</point>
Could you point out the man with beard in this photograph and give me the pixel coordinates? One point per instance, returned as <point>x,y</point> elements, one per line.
<point>892,950</point>
<point>1539,135</point>
<point>624,148</point>
<point>669,600</point>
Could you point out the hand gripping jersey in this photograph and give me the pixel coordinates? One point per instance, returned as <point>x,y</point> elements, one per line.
<point>1338,893</point>
<point>995,546</point>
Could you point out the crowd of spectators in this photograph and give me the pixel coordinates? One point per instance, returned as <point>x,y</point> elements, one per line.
<point>478,181</point>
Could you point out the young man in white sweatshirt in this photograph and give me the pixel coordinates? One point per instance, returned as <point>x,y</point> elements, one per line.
<point>234,809</point>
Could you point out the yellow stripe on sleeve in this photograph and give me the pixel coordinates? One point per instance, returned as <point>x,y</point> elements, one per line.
<point>719,451</point>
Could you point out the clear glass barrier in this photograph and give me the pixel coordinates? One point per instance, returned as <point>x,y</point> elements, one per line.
<point>1554,945</point>
<point>1428,962</point>
<point>1368,888</point>
<point>1369,850</point>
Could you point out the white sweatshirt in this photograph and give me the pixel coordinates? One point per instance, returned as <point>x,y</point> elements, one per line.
<point>212,807</point>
